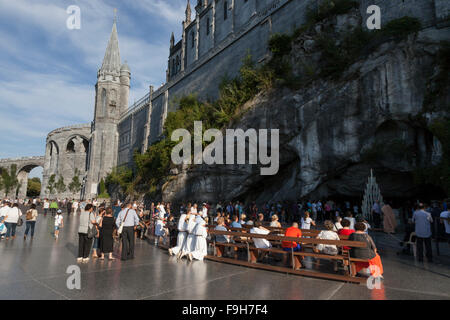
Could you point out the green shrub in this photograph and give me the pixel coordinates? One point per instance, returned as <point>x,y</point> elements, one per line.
<point>280,44</point>
<point>328,9</point>
<point>401,27</point>
<point>103,193</point>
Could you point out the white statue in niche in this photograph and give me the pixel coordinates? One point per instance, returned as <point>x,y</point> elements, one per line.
<point>113,98</point>
<point>436,152</point>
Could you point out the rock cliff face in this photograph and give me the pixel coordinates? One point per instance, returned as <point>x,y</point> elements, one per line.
<point>333,132</point>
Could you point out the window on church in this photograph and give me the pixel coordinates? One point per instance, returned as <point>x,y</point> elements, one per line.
<point>225,10</point>
<point>192,39</point>
<point>104,103</point>
<point>207,26</point>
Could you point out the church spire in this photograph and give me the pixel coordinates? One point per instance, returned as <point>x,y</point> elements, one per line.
<point>111,61</point>
<point>172,40</point>
<point>188,13</point>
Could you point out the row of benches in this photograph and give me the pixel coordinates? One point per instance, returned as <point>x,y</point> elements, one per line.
<point>243,240</point>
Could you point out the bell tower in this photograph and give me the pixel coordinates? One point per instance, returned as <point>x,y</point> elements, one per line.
<point>111,101</point>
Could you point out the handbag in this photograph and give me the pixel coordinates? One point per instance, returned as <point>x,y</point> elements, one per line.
<point>119,231</point>
<point>20,220</point>
<point>92,231</point>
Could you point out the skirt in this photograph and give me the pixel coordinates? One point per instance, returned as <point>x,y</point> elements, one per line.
<point>375,266</point>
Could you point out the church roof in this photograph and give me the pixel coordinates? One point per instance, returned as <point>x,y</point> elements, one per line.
<point>111,61</point>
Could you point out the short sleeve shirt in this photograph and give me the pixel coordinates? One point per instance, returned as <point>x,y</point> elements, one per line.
<point>446,214</point>
<point>423,220</point>
<point>261,243</point>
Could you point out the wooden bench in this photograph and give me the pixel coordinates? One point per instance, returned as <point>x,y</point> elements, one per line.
<point>252,254</point>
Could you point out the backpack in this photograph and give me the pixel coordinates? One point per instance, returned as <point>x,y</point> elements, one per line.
<point>29,215</point>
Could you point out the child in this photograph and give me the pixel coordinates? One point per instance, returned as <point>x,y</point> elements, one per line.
<point>2,228</point>
<point>58,223</point>
<point>307,221</point>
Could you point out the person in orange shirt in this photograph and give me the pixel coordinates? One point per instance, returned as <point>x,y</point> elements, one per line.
<point>293,232</point>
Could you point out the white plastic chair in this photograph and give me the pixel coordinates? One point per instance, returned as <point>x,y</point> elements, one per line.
<point>412,243</point>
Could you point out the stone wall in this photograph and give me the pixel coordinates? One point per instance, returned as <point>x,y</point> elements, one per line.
<point>247,30</point>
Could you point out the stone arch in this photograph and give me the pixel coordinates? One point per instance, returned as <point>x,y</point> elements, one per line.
<point>70,147</point>
<point>22,177</point>
<point>53,154</point>
<point>77,149</point>
<point>83,141</point>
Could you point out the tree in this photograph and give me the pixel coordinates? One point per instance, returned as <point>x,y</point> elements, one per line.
<point>34,187</point>
<point>51,184</point>
<point>102,188</point>
<point>60,185</point>
<point>9,179</point>
<point>75,184</point>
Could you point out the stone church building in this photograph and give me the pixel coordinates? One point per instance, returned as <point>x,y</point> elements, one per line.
<point>212,46</point>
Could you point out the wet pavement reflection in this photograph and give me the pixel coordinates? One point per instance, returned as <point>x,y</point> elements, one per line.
<point>36,269</point>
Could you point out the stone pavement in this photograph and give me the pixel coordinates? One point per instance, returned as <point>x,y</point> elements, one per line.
<point>36,269</point>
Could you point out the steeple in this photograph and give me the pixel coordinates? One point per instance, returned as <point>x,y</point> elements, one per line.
<point>111,61</point>
<point>188,13</point>
<point>172,40</point>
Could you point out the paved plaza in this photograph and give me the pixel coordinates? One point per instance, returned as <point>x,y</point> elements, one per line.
<point>36,269</point>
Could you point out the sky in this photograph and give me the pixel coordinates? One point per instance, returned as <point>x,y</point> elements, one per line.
<point>48,71</point>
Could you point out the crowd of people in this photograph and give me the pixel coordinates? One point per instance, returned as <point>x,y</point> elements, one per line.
<point>102,224</point>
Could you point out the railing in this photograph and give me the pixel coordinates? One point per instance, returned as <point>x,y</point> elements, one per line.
<point>138,104</point>
<point>22,159</point>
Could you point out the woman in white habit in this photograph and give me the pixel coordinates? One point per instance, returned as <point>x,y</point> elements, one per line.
<point>201,246</point>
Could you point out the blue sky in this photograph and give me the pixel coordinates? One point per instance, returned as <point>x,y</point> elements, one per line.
<point>48,72</point>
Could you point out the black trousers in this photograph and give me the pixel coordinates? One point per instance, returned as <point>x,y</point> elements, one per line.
<point>127,243</point>
<point>420,242</point>
<point>377,220</point>
<point>84,245</point>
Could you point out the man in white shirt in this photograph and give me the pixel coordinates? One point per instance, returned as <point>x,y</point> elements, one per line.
<point>445,219</point>
<point>46,206</point>
<point>4,209</point>
<point>259,242</point>
<point>12,217</point>
<point>423,220</point>
<point>75,205</point>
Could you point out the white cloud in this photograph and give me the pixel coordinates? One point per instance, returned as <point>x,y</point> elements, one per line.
<point>171,11</point>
